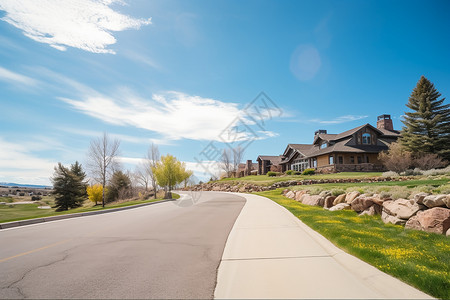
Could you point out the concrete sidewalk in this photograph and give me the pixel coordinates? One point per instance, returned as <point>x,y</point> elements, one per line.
<point>272,254</point>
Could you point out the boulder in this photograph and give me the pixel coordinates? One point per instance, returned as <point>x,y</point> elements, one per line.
<point>434,201</point>
<point>329,201</point>
<point>375,209</point>
<point>351,196</point>
<point>339,199</point>
<point>401,208</point>
<point>418,198</point>
<point>340,206</point>
<point>413,223</point>
<point>447,201</point>
<point>378,200</point>
<point>436,220</point>
<point>299,194</point>
<point>325,194</point>
<point>290,194</point>
<point>314,200</point>
<point>216,188</point>
<point>387,218</point>
<point>361,203</point>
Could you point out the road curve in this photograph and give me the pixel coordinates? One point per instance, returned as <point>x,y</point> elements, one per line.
<point>168,250</point>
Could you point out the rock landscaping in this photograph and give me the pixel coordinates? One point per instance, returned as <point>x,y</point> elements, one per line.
<point>249,188</point>
<point>426,212</point>
<point>422,211</point>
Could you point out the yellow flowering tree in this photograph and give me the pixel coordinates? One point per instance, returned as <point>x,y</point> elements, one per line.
<point>95,193</point>
<point>169,172</point>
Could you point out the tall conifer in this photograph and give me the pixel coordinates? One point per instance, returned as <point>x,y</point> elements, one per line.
<point>427,125</point>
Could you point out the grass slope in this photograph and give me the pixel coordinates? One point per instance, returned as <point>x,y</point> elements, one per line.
<point>421,259</point>
<point>266,180</point>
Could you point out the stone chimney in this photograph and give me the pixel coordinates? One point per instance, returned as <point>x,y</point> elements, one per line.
<point>385,122</point>
<point>248,167</point>
<point>320,131</point>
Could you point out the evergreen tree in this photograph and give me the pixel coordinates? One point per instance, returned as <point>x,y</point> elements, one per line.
<point>77,170</point>
<point>427,125</point>
<point>68,187</point>
<point>119,186</point>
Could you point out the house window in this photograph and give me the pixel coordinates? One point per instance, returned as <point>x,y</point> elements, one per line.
<point>366,138</point>
<point>352,159</point>
<point>359,160</point>
<point>330,159</point>
<point>324,145</point>
<point>367,159</point>
<point>314,162</point>
<point>340,160</point>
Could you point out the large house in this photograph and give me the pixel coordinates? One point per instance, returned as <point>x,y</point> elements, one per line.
<point>353,150</point>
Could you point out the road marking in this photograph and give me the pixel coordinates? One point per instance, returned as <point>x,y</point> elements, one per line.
<point>35,250</point>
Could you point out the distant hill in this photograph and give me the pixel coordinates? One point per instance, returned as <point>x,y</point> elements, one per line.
<point>33,186</point>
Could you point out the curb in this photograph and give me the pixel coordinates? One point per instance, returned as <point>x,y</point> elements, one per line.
<point>75,215</point>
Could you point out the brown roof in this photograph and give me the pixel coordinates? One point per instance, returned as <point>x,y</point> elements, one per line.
<point>386,132</point>
<point>275,160</point>
<point>305,149</point>
<point>342,146</point>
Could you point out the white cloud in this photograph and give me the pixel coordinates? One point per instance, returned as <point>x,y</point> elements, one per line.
<point>339,120</point>
<point>121,137</point>
<point>83,24</point>
<point>173,115</point>
<point>10,76</point>
<point>18,164</point>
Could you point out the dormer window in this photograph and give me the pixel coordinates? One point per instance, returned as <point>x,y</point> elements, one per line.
<point>323,145</point>
<point>366,139</point>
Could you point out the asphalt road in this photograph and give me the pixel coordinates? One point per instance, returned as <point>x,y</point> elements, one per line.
<point>165,250</point>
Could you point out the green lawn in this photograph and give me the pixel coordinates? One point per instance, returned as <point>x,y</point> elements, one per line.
<point>421,259</point>
<point>266,180</point>
<point>9,213</point>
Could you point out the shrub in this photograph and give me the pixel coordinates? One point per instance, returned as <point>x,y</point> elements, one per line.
<point>289,172</point>
<point>309,172</point>
<point>396,159</point>
<point>297,173</point>
<point>434,172</point>
<point>36,198</point>
<point>428,161</point>
<point>390,174</point>
<point>272,174</point>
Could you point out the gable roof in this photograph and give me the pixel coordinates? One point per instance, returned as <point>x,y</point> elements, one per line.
<point>341,146</point>
<point>273,159</point>
<point>335,137</point>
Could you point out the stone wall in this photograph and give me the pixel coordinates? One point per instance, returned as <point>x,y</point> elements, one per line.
<point>426,212</point>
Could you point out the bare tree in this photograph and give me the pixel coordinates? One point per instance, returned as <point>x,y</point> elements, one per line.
<point>142,173</point>
<point>102,158</point>
<point>238,154</point>
<point>226,162</point>
<point>150,162</point>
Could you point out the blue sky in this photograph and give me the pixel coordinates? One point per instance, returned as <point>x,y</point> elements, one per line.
<point>178,73</point>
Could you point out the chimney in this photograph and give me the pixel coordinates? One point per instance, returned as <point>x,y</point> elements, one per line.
<point>248,167</point>
<point>385,122</point>
<point>320,131</point>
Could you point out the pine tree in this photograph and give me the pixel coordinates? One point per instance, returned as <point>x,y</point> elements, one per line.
<point>427,125</point>
<point>69,187</point>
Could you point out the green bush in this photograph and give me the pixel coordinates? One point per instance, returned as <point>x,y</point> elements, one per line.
<point>289,172</point>
<point>272,174</point>
<point>309,172</point>
<point>297,173</point>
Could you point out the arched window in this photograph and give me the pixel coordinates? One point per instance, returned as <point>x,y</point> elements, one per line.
<point>366,138</point>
